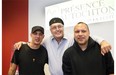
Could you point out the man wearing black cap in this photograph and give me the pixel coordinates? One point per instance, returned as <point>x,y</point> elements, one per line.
<point>57,43</point>
<point>31,57</point>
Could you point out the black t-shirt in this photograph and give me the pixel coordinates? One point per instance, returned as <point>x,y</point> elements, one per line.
<point>30,61</point>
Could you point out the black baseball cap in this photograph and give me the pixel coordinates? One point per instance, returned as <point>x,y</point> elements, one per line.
<point>56,20</point>
<point>37,28</point>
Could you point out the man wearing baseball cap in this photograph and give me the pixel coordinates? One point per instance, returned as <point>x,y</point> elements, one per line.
<point>31,57</point>
<point>38,28</point>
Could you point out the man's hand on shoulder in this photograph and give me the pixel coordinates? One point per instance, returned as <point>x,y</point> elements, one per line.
<point>18,45</point>
<point>105,47</point>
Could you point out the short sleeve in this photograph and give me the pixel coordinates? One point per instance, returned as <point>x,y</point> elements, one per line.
<point>15,57</point>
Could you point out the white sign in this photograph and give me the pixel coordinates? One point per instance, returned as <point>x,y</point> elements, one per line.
<point>89,11</point>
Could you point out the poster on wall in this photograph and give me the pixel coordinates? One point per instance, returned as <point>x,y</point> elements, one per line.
<point>90,11</point>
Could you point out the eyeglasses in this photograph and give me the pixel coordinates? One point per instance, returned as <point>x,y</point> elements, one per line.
<point>55,27</point>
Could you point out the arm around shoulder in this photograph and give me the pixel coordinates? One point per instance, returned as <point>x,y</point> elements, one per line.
<point>105,46</point>
<point>18,45</point>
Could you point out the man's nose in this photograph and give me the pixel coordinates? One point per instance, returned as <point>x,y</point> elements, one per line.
<point>80,33</point>
<point>57,28</point>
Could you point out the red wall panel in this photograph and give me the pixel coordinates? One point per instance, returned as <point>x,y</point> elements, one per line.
<point>14,28</point>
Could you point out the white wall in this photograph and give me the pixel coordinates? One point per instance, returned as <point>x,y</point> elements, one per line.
<point>105,30</point>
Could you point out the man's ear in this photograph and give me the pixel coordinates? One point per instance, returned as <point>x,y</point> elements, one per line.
<point>43,36</point>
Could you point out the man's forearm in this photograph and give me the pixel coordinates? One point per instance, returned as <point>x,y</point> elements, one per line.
<point>12,69</point>
<point>11,72</point>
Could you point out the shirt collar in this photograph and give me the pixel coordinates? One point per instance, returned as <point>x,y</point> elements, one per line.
<point>65,38</point>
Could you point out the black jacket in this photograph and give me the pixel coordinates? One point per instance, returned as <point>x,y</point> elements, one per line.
<point>88,62</point>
